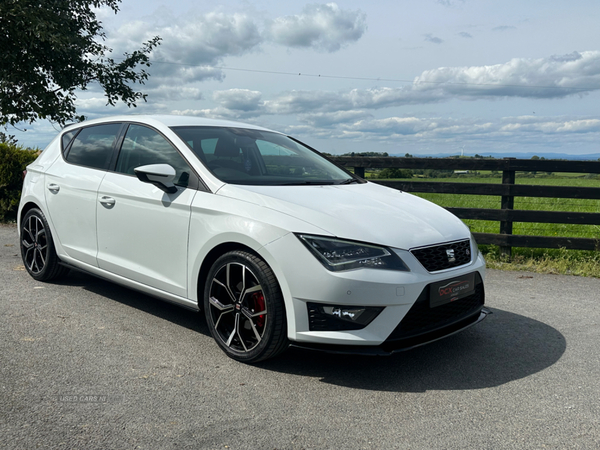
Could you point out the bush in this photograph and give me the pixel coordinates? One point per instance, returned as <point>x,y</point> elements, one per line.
<point>13,161</point>
<point>392,172</point>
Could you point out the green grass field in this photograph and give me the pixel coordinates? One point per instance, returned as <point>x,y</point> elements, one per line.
<point>584,263</point>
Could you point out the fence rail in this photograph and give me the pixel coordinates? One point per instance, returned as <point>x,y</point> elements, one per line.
<point>507,191</point>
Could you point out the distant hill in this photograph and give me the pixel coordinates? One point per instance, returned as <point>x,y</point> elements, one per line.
<point>528,155</point>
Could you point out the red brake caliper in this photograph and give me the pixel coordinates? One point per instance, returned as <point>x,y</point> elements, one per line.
<point>258,300</point>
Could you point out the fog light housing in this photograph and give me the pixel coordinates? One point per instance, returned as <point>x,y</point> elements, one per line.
<point>339,317</point>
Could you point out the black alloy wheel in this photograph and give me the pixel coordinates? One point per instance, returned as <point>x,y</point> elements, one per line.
<point>244,308</point>
<point>37,248</point>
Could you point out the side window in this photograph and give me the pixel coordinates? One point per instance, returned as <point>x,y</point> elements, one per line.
<point>66,140</point>
<point>93,146</point>
<point>143,146</point>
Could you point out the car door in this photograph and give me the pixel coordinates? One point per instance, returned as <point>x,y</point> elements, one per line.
<point>142,230</point>
<point>72,184</point>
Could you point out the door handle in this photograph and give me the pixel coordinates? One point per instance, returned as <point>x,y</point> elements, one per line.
<point>53,187</point>
<point>107,201</point>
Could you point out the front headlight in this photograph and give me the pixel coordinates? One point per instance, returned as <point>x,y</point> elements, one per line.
<point>338,254</point>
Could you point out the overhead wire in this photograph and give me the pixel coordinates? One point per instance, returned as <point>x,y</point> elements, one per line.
<point>378,79</point>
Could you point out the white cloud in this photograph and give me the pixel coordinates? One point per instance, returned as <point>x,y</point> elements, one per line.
<point>207,38</point>
<point>391,126</point>
<point>167,92</point>
<point>553,77</point>
<point>94,106</point>
<point>323,27</point>
<point>331,119</point>
<point>549,126</point>
<point>239,99</point>
<point>193,48</point>
<point>513,129</point>
<point>416,135</point>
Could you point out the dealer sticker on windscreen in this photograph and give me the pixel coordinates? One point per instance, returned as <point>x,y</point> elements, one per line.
<point>451,290</point>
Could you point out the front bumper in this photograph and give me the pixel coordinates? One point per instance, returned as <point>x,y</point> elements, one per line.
<point>407,320</point>
<point>421,325</point>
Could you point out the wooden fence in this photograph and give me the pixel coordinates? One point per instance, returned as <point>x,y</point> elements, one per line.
<point>507,191</point>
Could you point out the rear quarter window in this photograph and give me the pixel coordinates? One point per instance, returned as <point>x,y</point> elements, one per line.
<point>66,140</point>
<point>93,146</point>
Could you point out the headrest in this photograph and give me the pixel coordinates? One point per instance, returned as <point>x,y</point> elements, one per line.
<point>226,148</point>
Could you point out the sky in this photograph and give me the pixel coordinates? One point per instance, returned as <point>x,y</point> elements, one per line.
<point>404,76</point>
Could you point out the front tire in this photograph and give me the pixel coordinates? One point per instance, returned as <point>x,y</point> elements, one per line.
<point>244,308</point>
<point>37,248</point>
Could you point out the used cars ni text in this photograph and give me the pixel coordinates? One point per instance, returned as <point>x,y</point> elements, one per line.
<point>273,242</point>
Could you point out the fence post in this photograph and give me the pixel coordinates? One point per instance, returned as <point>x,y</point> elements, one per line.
<point>507,202</point>
<point>360,171</point>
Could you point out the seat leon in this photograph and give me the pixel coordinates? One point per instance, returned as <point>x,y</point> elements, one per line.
<point>273,242</point>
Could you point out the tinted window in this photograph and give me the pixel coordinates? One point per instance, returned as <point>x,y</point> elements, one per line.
<point>66,139</point>
<point>93,146</point>
<point>143,146</point>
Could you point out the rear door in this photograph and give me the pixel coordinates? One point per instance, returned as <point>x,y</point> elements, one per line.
<point>142,230</point>
<point>72,184</point>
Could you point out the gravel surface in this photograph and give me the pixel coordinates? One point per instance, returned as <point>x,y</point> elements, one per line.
<point>87,364</point>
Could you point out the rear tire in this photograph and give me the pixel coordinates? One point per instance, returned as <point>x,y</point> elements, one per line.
<point>37,248</point>
<point>244,308</point>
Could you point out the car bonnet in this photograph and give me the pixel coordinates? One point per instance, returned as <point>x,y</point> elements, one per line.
<point>363,212</point>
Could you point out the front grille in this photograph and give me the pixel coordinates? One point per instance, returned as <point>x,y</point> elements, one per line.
<point>421,319</point>
<point>445,256</point>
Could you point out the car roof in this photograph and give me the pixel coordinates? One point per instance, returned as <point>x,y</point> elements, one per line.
<point>170,121</point>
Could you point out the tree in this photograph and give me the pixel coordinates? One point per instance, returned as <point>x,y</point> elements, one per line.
<point>394,172</point>
<point>52,48</point>
<point>13,160</point>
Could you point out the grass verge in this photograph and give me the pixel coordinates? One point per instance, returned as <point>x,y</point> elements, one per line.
<point>554,261</point>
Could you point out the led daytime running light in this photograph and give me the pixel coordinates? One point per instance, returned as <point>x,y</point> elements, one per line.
<point>339,254</point>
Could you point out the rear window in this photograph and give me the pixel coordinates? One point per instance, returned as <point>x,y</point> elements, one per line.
<point>93,146</point>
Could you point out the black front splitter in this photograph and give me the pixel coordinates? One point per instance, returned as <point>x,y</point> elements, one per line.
<point>389,348</point>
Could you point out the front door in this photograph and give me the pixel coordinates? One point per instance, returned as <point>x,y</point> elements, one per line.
<point>143,231</point>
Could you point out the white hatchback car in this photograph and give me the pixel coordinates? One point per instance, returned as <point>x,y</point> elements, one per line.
<point>274,242</point>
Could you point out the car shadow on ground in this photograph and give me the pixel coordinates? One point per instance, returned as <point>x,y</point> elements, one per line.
<point>178,315</point>
<point>503,348</point>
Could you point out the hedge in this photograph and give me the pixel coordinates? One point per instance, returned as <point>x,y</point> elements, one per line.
<point>13,161</point>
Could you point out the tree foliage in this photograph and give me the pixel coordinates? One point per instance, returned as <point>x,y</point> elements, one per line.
<point>394,172</point>
<point>52,48</point>
<point>13,160</point>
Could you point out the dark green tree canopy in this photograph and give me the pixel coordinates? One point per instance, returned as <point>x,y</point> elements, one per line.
<point>52,48</point>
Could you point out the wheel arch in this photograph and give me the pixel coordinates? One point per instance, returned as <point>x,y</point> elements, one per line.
<point>224,247</point>
<point>210,259</point>
<point>24,210</point>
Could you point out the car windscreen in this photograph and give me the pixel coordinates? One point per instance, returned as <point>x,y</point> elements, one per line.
<point>254,157</point>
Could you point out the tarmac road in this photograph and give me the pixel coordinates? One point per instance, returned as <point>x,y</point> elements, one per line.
<point>86,364</point>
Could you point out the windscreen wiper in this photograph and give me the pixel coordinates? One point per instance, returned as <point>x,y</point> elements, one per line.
<point>308,183</point>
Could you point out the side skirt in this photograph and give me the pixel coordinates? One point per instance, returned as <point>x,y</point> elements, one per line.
<point>156,293</point>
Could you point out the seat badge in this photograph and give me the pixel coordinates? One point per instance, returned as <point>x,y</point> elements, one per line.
<point>450,255</point>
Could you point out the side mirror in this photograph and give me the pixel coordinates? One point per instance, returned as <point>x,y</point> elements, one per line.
<point>160,175</point>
